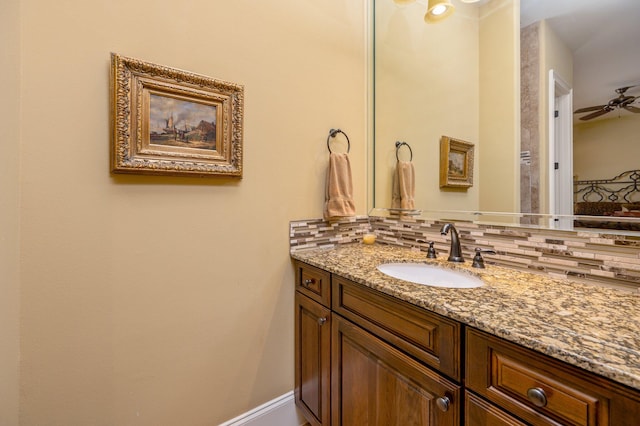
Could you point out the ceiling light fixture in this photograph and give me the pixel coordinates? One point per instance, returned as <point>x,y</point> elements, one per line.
<point>438,10</point>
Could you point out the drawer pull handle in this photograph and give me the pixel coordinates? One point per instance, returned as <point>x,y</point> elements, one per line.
<point>321,321</point>
<point>537,397</point>
<point>309,281</point>
<point>443,403</point>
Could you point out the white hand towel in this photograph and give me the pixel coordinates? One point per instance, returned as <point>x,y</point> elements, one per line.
<point>339,189</point>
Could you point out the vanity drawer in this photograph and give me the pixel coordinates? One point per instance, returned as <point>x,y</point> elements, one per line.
<point>313,283</point>
<point>431,338</point>
<point>542,390</point>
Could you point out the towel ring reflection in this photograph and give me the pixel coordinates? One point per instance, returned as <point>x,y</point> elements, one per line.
<point>332,134</point>
<point>399,145</point>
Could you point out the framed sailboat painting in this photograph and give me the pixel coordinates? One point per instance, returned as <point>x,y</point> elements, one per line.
<point>172,122</point>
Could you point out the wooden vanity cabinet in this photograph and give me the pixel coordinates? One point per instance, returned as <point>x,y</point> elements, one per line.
<point>312,393</point>
<point>372,365</point>
<point>366,358</point>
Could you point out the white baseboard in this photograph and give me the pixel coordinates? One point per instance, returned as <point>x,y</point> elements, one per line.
<point>280,411</point>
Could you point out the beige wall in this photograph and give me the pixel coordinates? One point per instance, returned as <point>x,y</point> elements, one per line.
<point>554,55</point>
<point>159,300</point>
<point>602,149</point>
<point>498,154</point>
<point>458,78</point>
<point>9,211</point>
<point>426,80</point>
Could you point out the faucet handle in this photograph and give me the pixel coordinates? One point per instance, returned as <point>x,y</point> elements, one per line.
<point>431,251</point>
<point>478,261</point>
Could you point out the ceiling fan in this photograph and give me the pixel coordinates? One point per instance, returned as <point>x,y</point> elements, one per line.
<point>621,101</point>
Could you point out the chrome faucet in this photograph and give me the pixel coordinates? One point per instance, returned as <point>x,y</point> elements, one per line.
<point>455,253</point>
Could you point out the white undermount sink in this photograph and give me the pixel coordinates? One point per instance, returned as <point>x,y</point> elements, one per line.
<point>436,276</point>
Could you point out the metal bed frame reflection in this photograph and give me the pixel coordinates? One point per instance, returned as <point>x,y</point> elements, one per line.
<point>624,188</point>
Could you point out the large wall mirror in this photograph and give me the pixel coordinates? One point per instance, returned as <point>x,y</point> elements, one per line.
<point>492,74</point>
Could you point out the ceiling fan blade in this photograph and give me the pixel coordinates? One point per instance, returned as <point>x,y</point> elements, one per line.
<point>595,114</point>
<point>621,90</point>
<point>589,109</point>
<point>632,108</point>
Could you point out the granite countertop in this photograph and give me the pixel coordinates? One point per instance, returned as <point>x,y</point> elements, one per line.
<point>591,327</point>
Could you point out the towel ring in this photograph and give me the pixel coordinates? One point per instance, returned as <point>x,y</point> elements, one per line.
<point>332,134</point>
<point>399,145</point>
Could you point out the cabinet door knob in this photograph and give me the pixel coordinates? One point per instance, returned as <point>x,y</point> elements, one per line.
<point>537,397</point>
<point>308,281</point>
<point>443,403</point>
<point>322,320</point>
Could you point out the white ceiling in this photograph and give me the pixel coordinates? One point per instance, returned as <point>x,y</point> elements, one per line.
<point>604,36</point>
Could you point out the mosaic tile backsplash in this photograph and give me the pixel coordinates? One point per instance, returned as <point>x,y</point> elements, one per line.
<point>583,256</point>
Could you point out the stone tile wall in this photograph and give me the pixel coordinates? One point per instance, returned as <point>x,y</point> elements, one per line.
<point>607,259</point>
<point>529,118</point>
<point>318,233</point>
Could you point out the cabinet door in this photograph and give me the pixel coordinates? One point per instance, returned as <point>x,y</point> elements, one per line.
<point>313,360</point>
<point>372,383</point>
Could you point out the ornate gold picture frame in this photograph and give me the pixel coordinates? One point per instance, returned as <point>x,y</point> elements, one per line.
<point>456,163</point>
<point>167,121</point>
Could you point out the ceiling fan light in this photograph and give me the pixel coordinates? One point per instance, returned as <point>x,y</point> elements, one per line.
<point>469,1</point>
<point>438,10</point>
